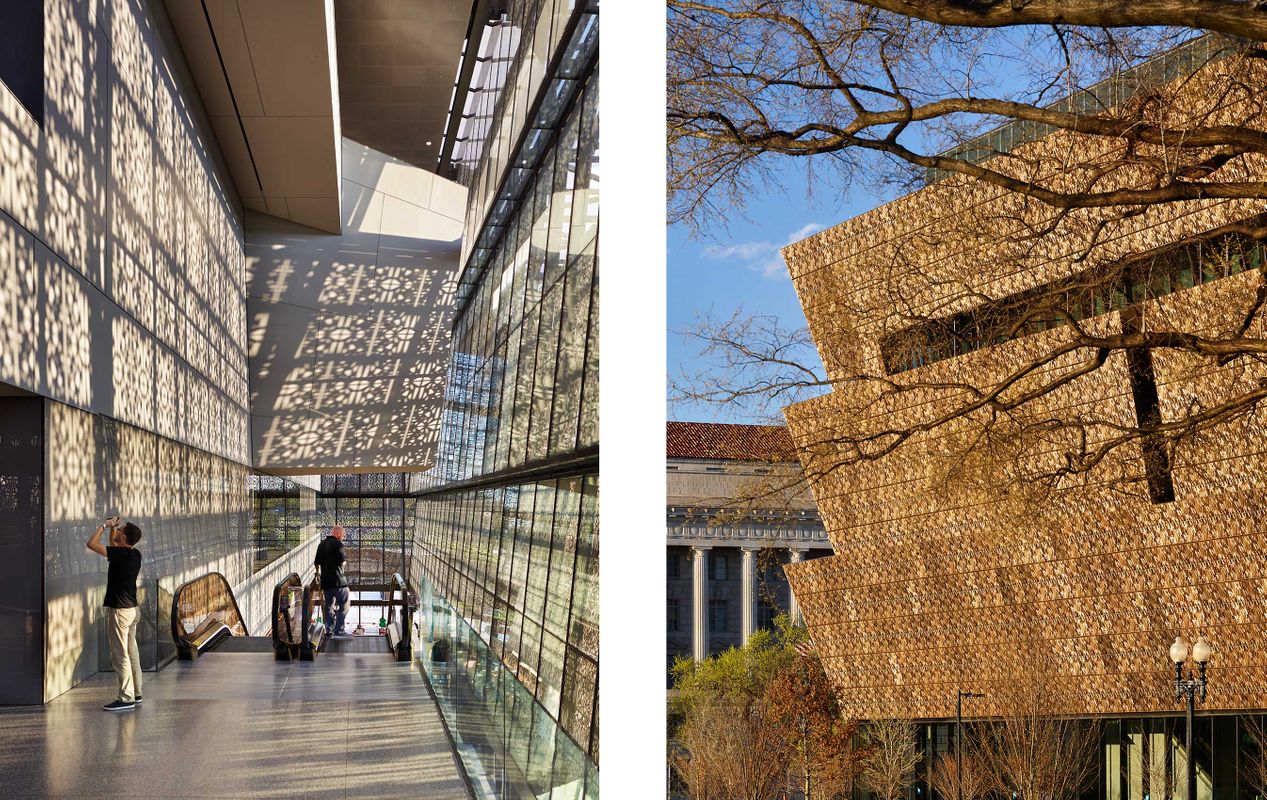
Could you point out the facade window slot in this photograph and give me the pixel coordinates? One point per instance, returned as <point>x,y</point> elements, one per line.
<point>1089,293</point>
<point>1161,488</point>
<point>22,53</point>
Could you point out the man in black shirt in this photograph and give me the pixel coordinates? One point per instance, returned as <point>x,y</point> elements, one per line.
<point>329,563</point>
<point>122,614</point>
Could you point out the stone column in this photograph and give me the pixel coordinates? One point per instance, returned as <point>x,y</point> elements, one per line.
<point>699,602</point>
<point>748,594</point>
<point>793,607</point>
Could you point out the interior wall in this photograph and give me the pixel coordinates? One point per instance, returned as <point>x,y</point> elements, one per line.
<point>350,334</point>
<point>255,594</point>
<point>121,266</point>
<point>22,542</point>
<point>192,508</point>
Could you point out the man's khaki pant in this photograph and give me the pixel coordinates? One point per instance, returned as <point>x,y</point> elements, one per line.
<point>124,654</point>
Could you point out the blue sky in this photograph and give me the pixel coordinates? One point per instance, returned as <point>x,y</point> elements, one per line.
<point>740,267</point>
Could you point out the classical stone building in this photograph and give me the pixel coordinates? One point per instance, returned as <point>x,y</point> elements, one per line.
<point>734,520</point>
<point>940,584</point>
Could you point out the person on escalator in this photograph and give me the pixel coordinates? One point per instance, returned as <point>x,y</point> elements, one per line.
<point>122,614</point>
<point>334,584</point>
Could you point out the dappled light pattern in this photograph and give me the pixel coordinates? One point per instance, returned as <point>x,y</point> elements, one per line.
<point>255,595</point>
<point>283,515</point>
<point>191,506</point>
<point>121,267</point>
<point>349,335</point>
<point>347,726</point>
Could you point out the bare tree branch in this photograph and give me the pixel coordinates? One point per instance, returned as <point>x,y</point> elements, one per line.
<point>1246,18</point>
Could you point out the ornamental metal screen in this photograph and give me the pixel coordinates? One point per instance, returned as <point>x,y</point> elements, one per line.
<point>378,520</point>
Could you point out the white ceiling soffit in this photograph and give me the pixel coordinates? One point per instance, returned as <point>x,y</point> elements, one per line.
<point>266,73</point>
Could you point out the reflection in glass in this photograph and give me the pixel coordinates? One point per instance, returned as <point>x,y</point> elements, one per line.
<point>512,573</point>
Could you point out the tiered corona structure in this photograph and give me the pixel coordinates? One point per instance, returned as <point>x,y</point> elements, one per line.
<point>936,585</point>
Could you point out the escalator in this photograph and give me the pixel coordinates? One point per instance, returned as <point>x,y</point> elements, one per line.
<point>206,618</point>
<point>396,632</point>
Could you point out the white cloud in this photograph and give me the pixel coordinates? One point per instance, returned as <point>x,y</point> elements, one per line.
<point>803,231</point>
<point>745,251</point>
<point>761,256</point>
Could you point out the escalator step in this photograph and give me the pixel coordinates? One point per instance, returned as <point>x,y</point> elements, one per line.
<point>358,644</point>
<point>244,644</point>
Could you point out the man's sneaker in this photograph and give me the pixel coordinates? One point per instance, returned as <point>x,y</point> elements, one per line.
<point>119,705</point>
<point>137,700</point>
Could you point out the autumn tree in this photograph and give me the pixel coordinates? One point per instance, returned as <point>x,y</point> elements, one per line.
<point>802,703</point>
<point>1080,166</point>
<point>760,720</point>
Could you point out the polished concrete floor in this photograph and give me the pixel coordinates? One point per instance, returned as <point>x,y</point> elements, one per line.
<point>350,725</point>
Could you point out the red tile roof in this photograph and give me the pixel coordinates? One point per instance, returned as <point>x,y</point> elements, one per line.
<point>732,442</point>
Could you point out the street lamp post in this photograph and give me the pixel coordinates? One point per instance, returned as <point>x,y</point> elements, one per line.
<point>959,737</point>
<point>1190,686</point>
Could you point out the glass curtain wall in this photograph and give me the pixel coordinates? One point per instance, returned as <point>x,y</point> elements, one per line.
<point>506,544</point>
<point>283,515</point>
<point>523,379</point>
<point>1139,758</point>
<point>509,626</point>
<point>523,382</point>
<point>531,35</point>
<point>378,523</point>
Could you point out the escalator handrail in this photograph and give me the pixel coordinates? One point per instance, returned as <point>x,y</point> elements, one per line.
<point>309,588</point>
<point>278,642</point>
<point>403,619</point>
<point>180,637</point>
<point>183,586</point>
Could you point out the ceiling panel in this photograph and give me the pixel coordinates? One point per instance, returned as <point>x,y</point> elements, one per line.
<point>266,77</point>
<point>398,60</point>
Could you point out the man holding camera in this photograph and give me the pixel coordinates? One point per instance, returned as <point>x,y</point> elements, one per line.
<point>122,613</point>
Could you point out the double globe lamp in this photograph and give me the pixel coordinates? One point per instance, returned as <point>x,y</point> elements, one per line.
<point>1190,686</point>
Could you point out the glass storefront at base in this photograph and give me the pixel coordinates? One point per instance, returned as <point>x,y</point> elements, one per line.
<point>1138,758</point>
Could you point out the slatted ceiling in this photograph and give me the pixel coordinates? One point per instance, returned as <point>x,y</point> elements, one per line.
<point>264,73</point>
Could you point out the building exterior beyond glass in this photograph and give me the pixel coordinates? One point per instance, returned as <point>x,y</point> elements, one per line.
<point>506,538</point>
